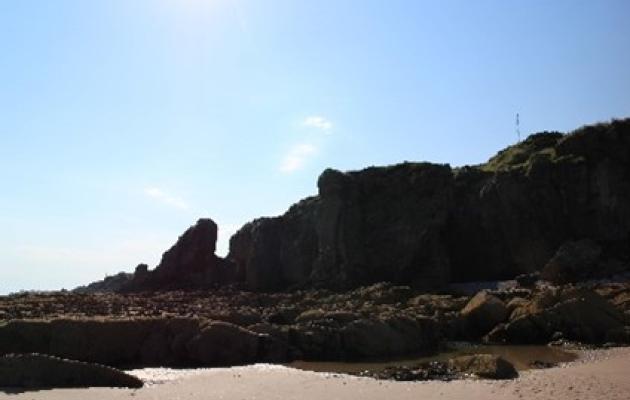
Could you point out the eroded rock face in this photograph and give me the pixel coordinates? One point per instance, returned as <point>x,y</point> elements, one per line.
<point>189,264</point>
<point>36,371</point>
<point>426,225</point>
<point>381,224</point>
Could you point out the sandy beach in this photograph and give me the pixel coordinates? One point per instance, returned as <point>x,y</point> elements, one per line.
<point>601,374</point>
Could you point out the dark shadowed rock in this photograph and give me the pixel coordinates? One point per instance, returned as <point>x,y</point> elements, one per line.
<point>527,280</point>
<point>36,371</point>
<point>146,341</point>
<point>221,343</point>
<point>110,284</point>
<point>573,262</point>
<point>276,253</point>
<point>380,224</point>
<point>620,335</point>
<point>486,366</point>
<point>189,264</point>
<point>388,337</point>
<point>482,313</point>
<point>426,225</point>
<point>574,314</point>
<point>435,370</point>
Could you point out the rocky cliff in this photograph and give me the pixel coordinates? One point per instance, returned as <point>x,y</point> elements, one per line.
<point>556,203</point>
<point>189,264</point>
<point>426,225</point>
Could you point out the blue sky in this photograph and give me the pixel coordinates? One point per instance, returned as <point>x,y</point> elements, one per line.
<point>122,122</point>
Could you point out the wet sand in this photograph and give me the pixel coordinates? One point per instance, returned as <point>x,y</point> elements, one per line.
<point>601,374</point>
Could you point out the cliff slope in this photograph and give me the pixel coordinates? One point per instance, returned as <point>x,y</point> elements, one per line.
<point>426,224</point>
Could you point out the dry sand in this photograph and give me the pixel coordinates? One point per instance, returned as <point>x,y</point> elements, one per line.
<point>602,374</point>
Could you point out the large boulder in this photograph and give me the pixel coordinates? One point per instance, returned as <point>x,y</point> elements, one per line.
<point>36,371</point>
<point>348,336</point>
<point>482,313</point>
<point>105,341</point>
<point>574,261</point>
<point>221,343</point>
<point>388,337</point>
<point>572,313</point>
<point>486,366</point>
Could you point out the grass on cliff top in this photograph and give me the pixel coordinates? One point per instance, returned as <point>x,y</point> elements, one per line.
<point>518,155</point>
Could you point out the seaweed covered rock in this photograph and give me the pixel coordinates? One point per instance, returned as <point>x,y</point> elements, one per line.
<point>487,366</point>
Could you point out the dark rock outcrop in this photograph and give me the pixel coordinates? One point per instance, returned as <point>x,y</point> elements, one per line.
<point>381,224</point>
<point>143,341</point>
<point>113,283</point>
<point>435,370</point>
<point>426,225</point>
<point>582,260</point>
<point>231,327</point>
<point>486,366</point>
<point>37,371</point>
<point>573,262</point>
<point>224,344</point>
<point>189,264</point>
<point>569,313</point>
<point>482,313</point>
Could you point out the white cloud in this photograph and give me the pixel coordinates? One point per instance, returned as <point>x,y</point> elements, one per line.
<point>297,156</point>
<point>165,198</point>
<point>319,122</point>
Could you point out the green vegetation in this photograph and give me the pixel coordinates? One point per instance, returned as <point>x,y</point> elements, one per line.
<point>536,147</point>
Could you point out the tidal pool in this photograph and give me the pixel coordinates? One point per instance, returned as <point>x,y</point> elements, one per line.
<point>522,357</point>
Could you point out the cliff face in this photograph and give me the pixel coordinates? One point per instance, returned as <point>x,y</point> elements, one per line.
<point>426,224</point>
<point>189,264</point>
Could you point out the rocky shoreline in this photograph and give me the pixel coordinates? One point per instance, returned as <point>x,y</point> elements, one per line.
<point>554,204</point>
<point>369,268</point>
<point>232,327</point>
<point>597,374</point>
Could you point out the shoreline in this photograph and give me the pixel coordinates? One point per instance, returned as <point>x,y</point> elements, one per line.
<point>596,374</point>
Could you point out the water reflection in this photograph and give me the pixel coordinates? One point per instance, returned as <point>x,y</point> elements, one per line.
<point>522,357</point>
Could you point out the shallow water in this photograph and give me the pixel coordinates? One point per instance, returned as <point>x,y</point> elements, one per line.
<point>521,356</point>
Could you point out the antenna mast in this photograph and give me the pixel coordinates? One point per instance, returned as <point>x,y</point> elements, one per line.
<point>518,128</point>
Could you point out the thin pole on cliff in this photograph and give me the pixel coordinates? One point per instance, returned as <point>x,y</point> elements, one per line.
<point>518,129</point>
